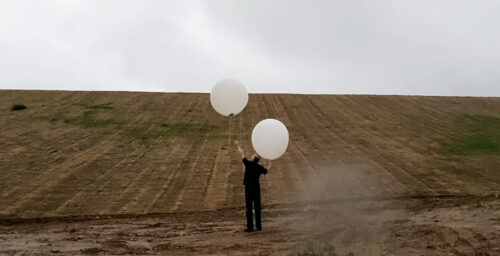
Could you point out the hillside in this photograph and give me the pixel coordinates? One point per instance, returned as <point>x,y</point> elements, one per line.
<point>88,153</point>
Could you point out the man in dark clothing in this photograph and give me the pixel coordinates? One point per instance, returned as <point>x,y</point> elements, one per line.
<point>253,170</point>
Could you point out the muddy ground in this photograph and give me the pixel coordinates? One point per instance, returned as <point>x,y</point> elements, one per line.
<point>424,226</point>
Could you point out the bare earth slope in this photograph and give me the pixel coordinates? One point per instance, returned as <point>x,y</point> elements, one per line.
<point>136,155</point>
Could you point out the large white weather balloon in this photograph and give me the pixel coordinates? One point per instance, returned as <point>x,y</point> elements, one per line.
<point>228,97</point>
<point>270,138</point>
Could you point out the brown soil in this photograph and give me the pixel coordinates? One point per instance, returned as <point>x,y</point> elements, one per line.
<point>156,173</point>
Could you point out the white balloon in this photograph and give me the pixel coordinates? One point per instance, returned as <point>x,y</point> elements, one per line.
<point>228,97</point>
<point>270,138</point>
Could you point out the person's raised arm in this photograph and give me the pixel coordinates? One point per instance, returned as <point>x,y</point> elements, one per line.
<point>264,170</point>
<point>239,149</point>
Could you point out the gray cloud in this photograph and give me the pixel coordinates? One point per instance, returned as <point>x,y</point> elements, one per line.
<point>382,47</point>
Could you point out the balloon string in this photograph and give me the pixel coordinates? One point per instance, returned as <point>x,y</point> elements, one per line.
<point>230,129</point>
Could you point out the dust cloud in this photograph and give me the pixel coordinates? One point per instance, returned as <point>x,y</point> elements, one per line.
<point>340,207</point>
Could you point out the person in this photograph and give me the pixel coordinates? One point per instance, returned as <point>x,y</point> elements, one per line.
<point>253,170</point>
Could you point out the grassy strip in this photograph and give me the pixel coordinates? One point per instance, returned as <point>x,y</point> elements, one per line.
<point>146,133</point>
<point>100,106</point>
<point>482,136</point>
<point>90,118</point>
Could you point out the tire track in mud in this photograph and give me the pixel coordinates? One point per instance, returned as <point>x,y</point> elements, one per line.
<point>411,114</point>
<point>196,187</point>
<point>21,168</point>
<point>72,179</point>
<point>425,116</point>
<point>93,172</point>
<point>476,241</point>
<point>84,199</point>
<point>417,117</point>
<point>52,178</point>
<point>166,176</point>
<point>132,180</point>
<point>190,196</point>
<point>400,174</point>
<point>305,142</point>
<point>411,164</point>
<point>281,168</point>
<point>399,117</point>
<point>278,182</point>
<point>165,199</point>
<point>454,184</point>
<point>215,188</point>
<point>143,201</point>
<point>216,192</point>
<point>145,191</point>
<point>300,121</point>
<point>343,152</point>
<point>356,153</point>
<point>126,180</point>
<point>419,108</point>
<point>14,129</point>
<point>159,202</point>
<point>289,162</point>
<point>25,172</point>
<point>176,198</point>
<point>62,133</point>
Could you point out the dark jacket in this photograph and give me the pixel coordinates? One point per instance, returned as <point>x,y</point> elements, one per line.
<point>252,173</point>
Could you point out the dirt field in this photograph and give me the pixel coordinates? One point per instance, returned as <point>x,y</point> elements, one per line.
<point>152,173</point>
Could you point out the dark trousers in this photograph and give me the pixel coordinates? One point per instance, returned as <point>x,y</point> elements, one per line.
<point>252,200</point>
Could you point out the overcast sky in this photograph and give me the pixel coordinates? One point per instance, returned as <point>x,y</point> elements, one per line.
<point>424,47</point>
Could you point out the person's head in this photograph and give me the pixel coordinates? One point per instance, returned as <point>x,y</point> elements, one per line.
<point>255,158</point>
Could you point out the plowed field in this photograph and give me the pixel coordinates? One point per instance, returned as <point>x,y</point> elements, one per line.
<point>158,173</point>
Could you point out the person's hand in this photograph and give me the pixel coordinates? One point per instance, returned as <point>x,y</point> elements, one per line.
<point>236,143</point>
